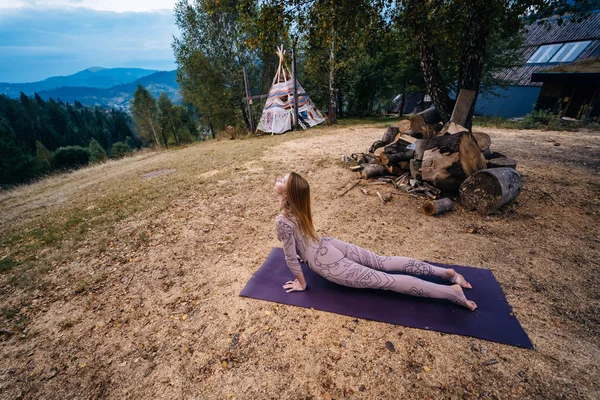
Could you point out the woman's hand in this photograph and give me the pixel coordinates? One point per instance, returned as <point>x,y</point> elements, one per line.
<point>294,286</point>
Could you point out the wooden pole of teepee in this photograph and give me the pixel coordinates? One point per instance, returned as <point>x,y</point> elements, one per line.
<point>295,87</point>
<point>249,100</point>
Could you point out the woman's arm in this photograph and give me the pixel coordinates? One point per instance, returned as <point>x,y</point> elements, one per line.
<point>285,233</point>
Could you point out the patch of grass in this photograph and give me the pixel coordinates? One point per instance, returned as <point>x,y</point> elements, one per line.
<point>538,119</point>
<point>6,264</point>
<point>385,121</point>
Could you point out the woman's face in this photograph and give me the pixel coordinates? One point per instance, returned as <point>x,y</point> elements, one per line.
<point>281,184</point>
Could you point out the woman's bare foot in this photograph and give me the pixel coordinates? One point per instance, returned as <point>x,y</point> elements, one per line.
<point>461,299</point>
<point>457,278</point>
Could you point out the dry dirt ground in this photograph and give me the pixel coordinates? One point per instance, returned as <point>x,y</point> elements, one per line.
<point>121,280</point>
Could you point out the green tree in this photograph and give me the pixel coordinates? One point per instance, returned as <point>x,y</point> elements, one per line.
<point>210,55</point>
<point>144,112</point>
<point>119,150</point>
<point>70,157</point>
<point>44,156</point>
<point>168,118</point>
<point>97,153</point>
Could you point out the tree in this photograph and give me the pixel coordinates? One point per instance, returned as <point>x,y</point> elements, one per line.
<point>167,118</point>
<point>44,156</point>
<point>210,55</point>
<point>465,30</point>
<point>97,153</point>
<point>144,112</point>
<point>119,150</point>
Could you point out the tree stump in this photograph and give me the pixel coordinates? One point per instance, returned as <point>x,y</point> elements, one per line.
<point>437,207</point>
<point>448,160</point>
<point>489,189</point>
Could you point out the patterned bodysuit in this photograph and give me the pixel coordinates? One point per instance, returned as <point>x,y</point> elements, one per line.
<point>350,265</point>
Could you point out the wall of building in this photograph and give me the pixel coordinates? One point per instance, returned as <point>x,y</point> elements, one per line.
<point>512,102</point>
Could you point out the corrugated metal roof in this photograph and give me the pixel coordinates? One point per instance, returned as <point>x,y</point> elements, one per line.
<point>538,35</point>
<point>567,32</point>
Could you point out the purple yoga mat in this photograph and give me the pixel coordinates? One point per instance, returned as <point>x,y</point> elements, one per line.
<point>493,320</point>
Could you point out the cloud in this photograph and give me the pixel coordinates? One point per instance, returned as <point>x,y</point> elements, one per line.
<point>37,43</point>
<point>102,5</point>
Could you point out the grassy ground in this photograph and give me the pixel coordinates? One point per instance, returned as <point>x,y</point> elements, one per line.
<point>121,280</point>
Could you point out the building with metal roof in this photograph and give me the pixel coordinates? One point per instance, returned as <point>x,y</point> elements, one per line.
<point>546,46</point>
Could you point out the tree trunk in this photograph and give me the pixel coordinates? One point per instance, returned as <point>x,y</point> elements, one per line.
<point>417,17</point>
<point>473,53</point>
<point>489,189</point>
<point>332,116</point>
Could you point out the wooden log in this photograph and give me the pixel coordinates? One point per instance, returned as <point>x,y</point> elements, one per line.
<point>404,125</point>
<point>448,160</point>
<point>489,189</point>
<point>452,128</point>
<point>501,162</point>
<point>388,137</point>
<point>405,165</point>
<point>430,116</point>
<point>395,158</point>
<point>373,170</point>
<point>437,207</point>
<point>415,169</point>
<point>420,148</point>
<point>462,107</point>
<point>483,140</point>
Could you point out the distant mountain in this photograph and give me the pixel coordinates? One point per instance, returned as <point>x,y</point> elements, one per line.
<point>95,77</point>
<point>118,96</point>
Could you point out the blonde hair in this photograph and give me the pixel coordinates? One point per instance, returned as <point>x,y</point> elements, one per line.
<point>298,200</point>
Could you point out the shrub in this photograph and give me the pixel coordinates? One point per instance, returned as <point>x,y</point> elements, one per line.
<point>97,153</point>
<point>119,150</point>
<point>70,157</point>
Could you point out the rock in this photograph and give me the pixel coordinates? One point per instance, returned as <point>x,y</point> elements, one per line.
<point>390,346</point>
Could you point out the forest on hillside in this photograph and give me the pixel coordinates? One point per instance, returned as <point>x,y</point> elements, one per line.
<point>38,137</point>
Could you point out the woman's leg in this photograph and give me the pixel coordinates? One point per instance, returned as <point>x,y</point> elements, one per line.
<point>398,264</point>
<point>346,272</point>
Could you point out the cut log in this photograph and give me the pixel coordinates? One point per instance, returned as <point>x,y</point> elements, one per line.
<point>416,124</point>
<point>483,140</point>
<point>489,155</point>
<point>437,207</point>
<point>404,125</point>
<point>388,137</point>
<point>489,189</point>
<point>373,170</point>
<point>448,160</point>
<point>452,128</point>
<point>420,148</point>
<point>430,116</point>
<point>395,158</point>
<point>415,169</point>
<point>462,107</point>
<point>501,162</point>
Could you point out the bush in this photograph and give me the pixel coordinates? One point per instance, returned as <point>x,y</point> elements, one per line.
<point>97,153</point>
<point>119,150</point>
<point>70,157</point>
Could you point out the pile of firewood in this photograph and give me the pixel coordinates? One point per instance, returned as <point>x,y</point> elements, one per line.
<point>423,157</point>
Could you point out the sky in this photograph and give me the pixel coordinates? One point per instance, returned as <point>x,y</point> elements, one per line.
<point>40,39</point>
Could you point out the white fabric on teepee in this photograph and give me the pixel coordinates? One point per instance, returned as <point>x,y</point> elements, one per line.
<point>278,114</point>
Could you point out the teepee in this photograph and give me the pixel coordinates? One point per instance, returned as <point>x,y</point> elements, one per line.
<point>278,114</point>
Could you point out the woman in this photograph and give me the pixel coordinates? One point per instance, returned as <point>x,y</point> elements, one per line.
<point>349,265</point>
